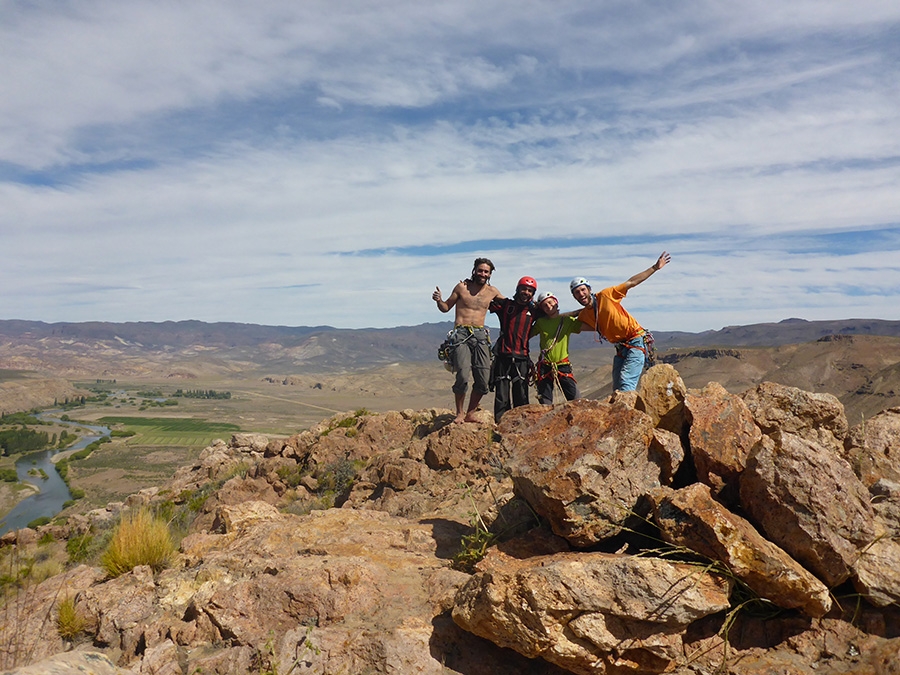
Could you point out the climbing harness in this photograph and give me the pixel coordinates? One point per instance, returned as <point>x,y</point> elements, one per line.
<point>545,369</point>
<point>649,347</point>
<point>450,343</point>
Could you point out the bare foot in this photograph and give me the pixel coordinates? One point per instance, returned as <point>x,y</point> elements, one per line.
<point>471,417</point>
<point>459,419</point>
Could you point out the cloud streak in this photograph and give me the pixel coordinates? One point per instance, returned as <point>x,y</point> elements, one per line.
<point>298,163</point>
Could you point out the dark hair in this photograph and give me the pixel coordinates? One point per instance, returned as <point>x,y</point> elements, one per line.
<point>482,261</point>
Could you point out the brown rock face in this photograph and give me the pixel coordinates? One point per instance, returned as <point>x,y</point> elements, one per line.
<point>584,466</point>
<point>690,517</point>
<point>722,434</point>
<point>589,613</point>
<point>662,393</point>
<point>263,585</point>
<point>876,575</point>
<point>808,501</point>
<point>873,448</point>
<point>73,663</point>
<point>818,418</point>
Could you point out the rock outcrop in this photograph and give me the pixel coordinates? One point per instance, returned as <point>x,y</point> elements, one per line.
<point>605,537</point>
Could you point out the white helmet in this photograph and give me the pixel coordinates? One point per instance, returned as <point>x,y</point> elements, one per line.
<point>578,281</point>
<point>543,296</point>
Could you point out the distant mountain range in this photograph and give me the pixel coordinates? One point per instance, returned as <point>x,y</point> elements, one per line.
<point>857,360</point>
<point>323,348</point>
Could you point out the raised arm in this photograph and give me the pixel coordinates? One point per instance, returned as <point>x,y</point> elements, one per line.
<point>661,262</point>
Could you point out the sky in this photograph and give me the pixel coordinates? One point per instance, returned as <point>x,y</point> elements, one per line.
<point>331,163</point>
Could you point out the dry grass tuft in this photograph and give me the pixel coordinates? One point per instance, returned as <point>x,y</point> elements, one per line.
<point>69,621</point>
<point>139,539</point>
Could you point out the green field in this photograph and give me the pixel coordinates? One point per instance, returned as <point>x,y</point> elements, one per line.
<point>169,431</point>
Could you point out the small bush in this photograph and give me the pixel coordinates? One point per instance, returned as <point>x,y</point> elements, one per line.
<point>69,621</point>
<point>37,522</point>
<point>139,539</point>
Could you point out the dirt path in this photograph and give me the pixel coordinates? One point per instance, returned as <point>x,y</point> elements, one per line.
<point>287,400</point>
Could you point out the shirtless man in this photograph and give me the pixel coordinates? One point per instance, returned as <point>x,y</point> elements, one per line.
<point>470,340</point>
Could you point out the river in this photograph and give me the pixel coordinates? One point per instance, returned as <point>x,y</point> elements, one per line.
<point>53,492</point>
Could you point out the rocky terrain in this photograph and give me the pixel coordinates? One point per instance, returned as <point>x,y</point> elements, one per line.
<point>670,530</point>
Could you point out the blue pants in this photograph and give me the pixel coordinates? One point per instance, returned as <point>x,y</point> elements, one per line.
<point>628,364</point>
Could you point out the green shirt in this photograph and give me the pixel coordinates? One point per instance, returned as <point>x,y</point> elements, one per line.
<point>547,327</point>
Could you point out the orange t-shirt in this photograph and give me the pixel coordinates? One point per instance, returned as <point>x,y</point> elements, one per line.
<point>612,320</point>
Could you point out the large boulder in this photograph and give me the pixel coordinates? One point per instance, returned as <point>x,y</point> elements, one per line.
<point>24,629</point>
<point>590,613</point>
<point>585,466</point>
<point>661,395</point>
<point>691,518</point>
<point>818,418</point>
<point>722,433</point>
<point>873,447</point>
<point>807,500</point>
<point>877,573</point>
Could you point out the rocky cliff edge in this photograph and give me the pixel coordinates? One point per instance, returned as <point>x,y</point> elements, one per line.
<point>668,530</point>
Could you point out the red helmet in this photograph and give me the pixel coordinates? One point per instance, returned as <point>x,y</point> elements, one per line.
<point>528,282</point>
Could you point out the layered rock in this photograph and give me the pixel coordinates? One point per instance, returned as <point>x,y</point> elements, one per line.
<point>873,448</point>
<point>584,467</point>
<point>722,433</point>
<point>590,613</point>
<point>808,501</point>
<point>691,518</point>
<point>261,584</point>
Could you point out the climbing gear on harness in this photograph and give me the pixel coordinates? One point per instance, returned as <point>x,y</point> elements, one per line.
<point>445,352</point>
<point>551,367</point>
<point>650,346</point>
<point>450,343</point>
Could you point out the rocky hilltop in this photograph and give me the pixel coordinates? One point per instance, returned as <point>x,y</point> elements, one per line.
<point>669,530</point>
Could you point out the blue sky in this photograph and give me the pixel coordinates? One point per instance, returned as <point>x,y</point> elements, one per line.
<point>309,163</point>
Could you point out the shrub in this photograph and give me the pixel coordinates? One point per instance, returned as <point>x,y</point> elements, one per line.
<point>37,522</point>
<point>69,621</point>
<point>139,539</point>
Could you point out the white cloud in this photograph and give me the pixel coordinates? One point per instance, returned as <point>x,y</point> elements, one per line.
<point>226,161</point>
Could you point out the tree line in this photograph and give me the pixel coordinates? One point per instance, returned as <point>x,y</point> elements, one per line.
<point>202,393</point>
